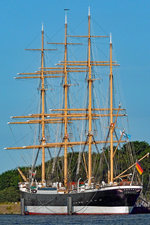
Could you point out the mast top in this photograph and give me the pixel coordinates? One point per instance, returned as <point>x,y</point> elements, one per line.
<point>89,13</point>
<point>66,15</point>
<point>65,18</point>
<point>42,27</point>
<point>110,38</point>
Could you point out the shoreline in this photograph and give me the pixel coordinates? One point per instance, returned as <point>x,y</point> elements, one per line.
<point>10,208</point>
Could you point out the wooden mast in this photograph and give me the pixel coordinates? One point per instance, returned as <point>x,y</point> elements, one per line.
<point>66,108</point>
<point>40,74</point>
<point>43,109</point>
<point>90,102</point>
<point>111,113</point>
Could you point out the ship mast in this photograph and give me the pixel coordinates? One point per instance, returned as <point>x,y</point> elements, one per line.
<point>66,106</point>
<point>90,102</point>
<point>42,121</point>
<point>111,113</point>
<point>43,108</point>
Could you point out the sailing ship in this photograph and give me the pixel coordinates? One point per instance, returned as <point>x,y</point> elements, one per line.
<point>111,193</point>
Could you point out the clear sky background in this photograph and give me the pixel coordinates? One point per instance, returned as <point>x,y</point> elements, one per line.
<point>20,23</point>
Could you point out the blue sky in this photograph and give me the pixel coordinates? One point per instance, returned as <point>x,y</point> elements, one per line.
<point>20,25</point>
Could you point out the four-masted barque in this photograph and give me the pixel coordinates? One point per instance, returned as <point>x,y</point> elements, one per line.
<point>109,193</point>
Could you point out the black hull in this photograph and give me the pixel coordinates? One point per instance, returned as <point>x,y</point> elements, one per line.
<point>102,201</point>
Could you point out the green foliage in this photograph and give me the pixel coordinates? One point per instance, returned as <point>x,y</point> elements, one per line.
<point>9,179</point>
<point>10,194</point>
<point>9,186</point>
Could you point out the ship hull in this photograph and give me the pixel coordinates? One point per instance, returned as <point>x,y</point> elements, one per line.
<point>108,200</point>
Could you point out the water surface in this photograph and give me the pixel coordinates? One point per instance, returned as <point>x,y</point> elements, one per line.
<point>139,219</point>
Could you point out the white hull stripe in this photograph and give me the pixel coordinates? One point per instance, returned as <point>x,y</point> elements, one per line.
<point>78,210</point>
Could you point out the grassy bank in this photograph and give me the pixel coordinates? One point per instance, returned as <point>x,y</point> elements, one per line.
<point>10,208</point>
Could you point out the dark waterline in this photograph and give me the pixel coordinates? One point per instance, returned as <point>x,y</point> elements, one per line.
<point>138,219</point>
